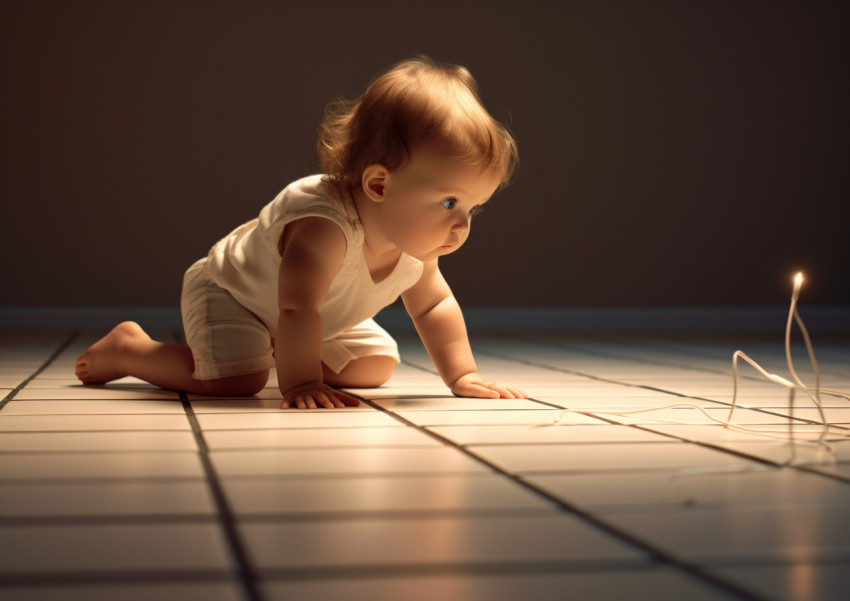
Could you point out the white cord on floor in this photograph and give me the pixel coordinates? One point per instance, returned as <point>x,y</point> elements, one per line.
<point>797,384</point>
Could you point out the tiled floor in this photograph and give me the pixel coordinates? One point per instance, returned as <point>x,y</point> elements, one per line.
<point>130,492</point>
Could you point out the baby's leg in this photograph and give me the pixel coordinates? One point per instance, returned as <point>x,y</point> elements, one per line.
<point>363,356</point>
<point>365,372</point>
<point>128,351</point>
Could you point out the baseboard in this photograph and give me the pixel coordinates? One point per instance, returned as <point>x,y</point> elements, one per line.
<point>480,319</point>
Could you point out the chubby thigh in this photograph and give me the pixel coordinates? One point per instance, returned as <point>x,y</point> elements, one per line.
<point>229,340</point>
<point>226,338</point>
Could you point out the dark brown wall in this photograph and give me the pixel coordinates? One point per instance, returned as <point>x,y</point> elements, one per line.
<point>673,153</point>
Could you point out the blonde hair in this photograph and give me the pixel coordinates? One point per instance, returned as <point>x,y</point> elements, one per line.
<point>414,101</point>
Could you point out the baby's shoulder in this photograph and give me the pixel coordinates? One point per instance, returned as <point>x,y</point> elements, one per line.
<point>309,192</point>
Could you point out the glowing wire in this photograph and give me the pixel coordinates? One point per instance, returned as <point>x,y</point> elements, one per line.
<point>797,384</point>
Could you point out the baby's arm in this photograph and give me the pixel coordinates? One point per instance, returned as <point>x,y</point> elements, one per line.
<point>439,321</point>
<point>312,250</point>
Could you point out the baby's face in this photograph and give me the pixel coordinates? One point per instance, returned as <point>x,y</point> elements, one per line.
<point>429,204</point>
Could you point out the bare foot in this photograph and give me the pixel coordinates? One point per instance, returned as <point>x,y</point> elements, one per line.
<point>99,364</point>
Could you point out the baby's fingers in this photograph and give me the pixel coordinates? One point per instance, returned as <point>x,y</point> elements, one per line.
<point>346,400</point>
<point>508,392</point>
<point>476,390</point>
<point>328,401</point>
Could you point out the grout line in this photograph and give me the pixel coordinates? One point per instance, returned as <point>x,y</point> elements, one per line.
<point>623,536</point>
<point>600,416</point>
<point>721,404</point>
<point>227,519</point>
<point>50,360</point>
<point>245,571</point>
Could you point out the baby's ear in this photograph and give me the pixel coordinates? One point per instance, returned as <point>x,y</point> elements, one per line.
<point>374,180</point>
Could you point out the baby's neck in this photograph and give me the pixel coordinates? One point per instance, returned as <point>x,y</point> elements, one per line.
<point>377,244</point>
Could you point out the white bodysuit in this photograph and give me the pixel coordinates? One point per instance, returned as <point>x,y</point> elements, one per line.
<point>245,264</point>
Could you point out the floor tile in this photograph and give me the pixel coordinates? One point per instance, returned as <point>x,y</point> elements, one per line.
<point>440,541</point>
<point>689,415</point>
<point>111,547</point>
<point>724,536</point>
<point>474,435</point>
<point>96,393</point>
<point>293,438</point>
<point>396,389</point>
<point>344,462</point>
<point>105,499</point>
<point>381,496</point>
<point>793,582</point>
<point>642,585</point>
<point>67,380</point>
<point>166,591</point>
<point>484,418</point>
<point>450,403</point>
<point>623,403</point>
<point>604,457</point>
<point>662,491</point>
<point>801,452</point>
<point>69,407</point>
<point>422,493</point>
<point>71,423</point>
<point>295,418</point>
<point>716,433</point>
<point>47,466</point>
<point>833,415</point>
<point>97,441</point>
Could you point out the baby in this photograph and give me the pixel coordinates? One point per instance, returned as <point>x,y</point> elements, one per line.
<point>406,166</point>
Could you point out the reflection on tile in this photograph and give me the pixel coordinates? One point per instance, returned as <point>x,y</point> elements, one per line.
<point>343,462</point>
<point>267,393</point>
<point>17,407</point>
<point>794,582</point>
<point>484,418</point>
<point>386,496</point>
<point>97,441</point>
<point>40,466</point>
<point>718,434</point>
<point>96,393</point>
<point>596,457</point>
<point>619,403</point>
<point>437,541</point>
<point>689,415</point>
<point>208,591</point>
<point>72,423</point>
<point>455,404</point>
<point>105,499</point>
<point>111,547</point>
<point>642,585</point>
<point>662,490</point>
<point>296,418</point>
<point>318,438</point>
<point>471,435</point>
<point>722,536</point>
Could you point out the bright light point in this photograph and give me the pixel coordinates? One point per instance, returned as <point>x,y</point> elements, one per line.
<point>798,279</point>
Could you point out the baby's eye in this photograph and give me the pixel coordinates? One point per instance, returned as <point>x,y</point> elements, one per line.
<point>476,210</point>
<point>449,203</point>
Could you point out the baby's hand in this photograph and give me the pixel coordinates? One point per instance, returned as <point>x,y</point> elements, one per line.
<point>473,385</point>
<point>312,395</point>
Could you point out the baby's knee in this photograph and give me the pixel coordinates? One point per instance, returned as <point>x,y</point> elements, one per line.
<point>366,372</point>
<point>245,385</point>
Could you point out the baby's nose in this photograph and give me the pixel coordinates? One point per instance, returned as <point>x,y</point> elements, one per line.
<point>460,224</point>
